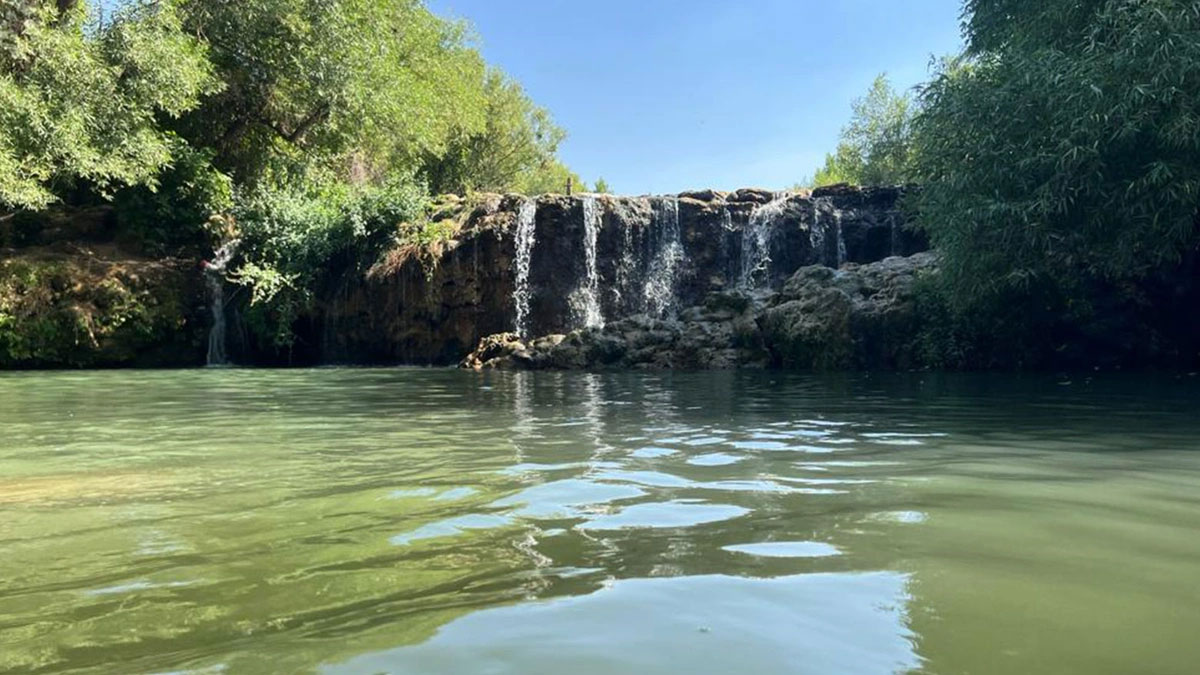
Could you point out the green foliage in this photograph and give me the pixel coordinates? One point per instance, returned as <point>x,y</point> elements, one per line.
<point>292,237</point>
<point>601,187</point>
<point>1062,153</point>
<point>56,311</point>
<point>361,86</point>
<point>507,154</point>
<point>551,177</point>
<point>83,105</point>
<point>173,215</point>
<point>876,147</point>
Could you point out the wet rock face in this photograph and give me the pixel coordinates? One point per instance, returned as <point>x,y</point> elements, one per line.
<point>653,256</point>
<point>421,310</point>
<point>857,317</point>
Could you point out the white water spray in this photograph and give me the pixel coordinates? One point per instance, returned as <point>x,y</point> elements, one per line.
<point>841,239</point>
<point>660,282</point>
<point>756,241</point>
<point>816,233</point>
<point>526,237</point>
<point>593,315</point>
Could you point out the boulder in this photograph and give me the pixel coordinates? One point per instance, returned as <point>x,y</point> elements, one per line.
<point>856,317</point>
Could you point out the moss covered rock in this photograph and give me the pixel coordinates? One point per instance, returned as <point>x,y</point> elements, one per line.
<point>95,306</point>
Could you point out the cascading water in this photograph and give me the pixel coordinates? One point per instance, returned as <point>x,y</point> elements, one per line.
<point>526,237</point>
<point>214,276</point>
<point>659,289</point>
<point>756,242</point>
<point>841,238</point>
<point>820,233</point>
<point>816,233</point>
<point>895,230</point>
<point>592,314</point>
<point>627,268</point>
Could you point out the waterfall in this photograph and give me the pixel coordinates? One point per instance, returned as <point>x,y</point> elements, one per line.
<point>526,236</point>
<point>214,276</point>
<point>660,282</point>
<point>895,234</point>
<point>593,315</point>
<point>841,239</point>
<point>627,268</point>
<point>819,236</point>
<point>816,233</point>
<point>756,242</point>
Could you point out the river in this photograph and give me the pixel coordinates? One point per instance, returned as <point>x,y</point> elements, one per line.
<point>436,521</point>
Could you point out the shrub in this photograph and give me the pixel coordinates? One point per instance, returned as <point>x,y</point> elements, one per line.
<point>294,238</point>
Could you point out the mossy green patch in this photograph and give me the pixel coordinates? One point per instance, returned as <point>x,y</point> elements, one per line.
<point>95,307</point>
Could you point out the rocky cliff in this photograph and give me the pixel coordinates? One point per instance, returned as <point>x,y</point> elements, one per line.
<point>697,265</point>
<point>554,264</point>
<point>858,317</point>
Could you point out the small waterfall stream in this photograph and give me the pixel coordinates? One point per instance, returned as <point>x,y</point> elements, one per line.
<point>822,229</point>
<point>214,277</point>
<point>659,289</point>
<point>816,233</point>
<point>756,242</point>
<point>841,238</point>
<point>526,236</point>
<point>593,315</point>
<point>627,271</point>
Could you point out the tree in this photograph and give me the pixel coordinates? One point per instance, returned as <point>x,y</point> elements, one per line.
<point>601,187</point>
<point>552,176</point>
<point>876,147</point>
<point>368,85</point>
<point>516,141</point>
<point>1062,150</point>
<point>82,105</point>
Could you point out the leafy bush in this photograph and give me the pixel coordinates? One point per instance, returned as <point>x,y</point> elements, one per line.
<point>291,237</point>
<point>86,312</point>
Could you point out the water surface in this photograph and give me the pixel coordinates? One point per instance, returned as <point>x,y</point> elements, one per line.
<point>435,521</point>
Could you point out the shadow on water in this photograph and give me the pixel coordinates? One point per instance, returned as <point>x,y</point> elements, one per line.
<point>404,520</point>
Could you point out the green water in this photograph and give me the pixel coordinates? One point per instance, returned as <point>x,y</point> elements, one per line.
<point>434,521</point>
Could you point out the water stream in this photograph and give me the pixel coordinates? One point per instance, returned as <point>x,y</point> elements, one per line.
<point>526,237</point>
<point>659,288</point>
<point>590,309</point>
<point>756,242</point>
<point>214,278</point>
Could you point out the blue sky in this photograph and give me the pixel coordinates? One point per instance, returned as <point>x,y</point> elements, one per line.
<point>661,96</point>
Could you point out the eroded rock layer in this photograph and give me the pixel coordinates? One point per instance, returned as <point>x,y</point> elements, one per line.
<point>596,261</point>
<point>855,317</point>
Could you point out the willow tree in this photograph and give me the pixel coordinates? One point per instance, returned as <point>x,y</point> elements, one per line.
<point>81,103</point>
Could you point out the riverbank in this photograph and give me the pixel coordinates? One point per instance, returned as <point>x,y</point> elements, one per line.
<point>831,279</point>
